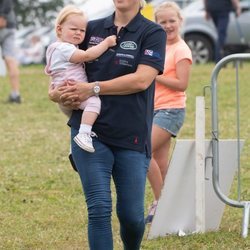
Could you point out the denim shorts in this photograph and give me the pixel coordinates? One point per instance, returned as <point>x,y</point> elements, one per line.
<point>170,119</point>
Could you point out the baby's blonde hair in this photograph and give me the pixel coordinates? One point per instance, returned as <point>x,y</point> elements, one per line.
<point>168,4</point>
<point>66,12</point>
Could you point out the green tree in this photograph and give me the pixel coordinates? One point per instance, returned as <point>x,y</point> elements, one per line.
<point>38,13</point>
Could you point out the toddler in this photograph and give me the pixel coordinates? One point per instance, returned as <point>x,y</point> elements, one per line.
<point>65,62</point>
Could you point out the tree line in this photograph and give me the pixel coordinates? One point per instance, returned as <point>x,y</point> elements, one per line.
<point>39,13</point>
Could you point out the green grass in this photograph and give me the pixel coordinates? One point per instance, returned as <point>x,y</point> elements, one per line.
<point>41,200</point>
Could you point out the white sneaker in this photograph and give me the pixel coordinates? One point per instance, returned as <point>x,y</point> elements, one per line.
<point>84,141</point>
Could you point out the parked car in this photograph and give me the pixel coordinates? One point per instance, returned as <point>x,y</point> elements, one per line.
<point>200,34</point>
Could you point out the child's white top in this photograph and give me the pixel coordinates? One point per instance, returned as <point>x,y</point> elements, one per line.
<point>59,67</point>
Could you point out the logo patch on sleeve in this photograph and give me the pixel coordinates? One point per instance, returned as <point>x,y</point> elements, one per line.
<point>149,52</point>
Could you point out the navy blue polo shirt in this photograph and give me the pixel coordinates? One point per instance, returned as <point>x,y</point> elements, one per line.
<point>125,120</point>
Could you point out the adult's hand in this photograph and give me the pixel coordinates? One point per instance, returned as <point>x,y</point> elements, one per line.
<point>207,15</point>
<point>238,11</point>
<point>3,22</point>
<point>72,94</point>
<point>54,94</point>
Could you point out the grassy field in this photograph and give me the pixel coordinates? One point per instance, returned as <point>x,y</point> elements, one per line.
<point>41,201</point>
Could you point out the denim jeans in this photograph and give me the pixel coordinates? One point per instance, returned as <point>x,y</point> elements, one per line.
<point>221,20</point>
<point>129,171</point>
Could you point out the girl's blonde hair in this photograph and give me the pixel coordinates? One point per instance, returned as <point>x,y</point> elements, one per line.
<point>65,13</point>
<point>142,3</point>
<point>168,4</point>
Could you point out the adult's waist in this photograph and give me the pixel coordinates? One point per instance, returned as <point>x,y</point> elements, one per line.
<point>132,135</point>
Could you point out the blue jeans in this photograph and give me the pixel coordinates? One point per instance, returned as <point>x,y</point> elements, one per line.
<point>129,171</point>
<point>221,20</point>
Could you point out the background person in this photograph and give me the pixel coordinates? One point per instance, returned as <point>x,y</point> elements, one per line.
<point>170,97</point>
<point>124,78</point>
<point>7,43</point>
<point>34,54</point>
<point>219,12</point>
<point>65,61</point>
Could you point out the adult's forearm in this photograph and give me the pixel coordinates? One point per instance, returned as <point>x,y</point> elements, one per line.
<point>54,94</point>
<point>130,83</point>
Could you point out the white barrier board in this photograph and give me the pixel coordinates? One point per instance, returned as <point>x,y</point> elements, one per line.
<point>176,207</point>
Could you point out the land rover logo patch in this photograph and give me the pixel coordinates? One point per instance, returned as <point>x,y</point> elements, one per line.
<point>128,45</point>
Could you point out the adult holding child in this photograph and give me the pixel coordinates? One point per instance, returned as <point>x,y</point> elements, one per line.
<point>66,61</point>
<point>170,97</point>
<point>124,78</point>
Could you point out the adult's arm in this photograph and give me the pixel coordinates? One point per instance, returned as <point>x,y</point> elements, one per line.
<point>236,6</point>
<point>131,83</point>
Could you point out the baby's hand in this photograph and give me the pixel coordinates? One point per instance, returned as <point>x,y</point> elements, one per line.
<point>111,40</point>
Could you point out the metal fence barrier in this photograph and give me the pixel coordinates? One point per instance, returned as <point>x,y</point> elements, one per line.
<point>236,59</point>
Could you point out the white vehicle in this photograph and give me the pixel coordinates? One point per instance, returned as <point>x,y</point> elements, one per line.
<point>201,36</point>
